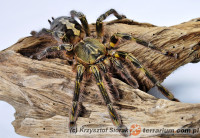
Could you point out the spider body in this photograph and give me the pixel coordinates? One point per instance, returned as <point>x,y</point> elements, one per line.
<point>97,58</point>
<point>67,29</point>
<point>89,51</point>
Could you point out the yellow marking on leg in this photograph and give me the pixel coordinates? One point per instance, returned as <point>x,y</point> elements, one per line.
<point>72,118</point>
<point>112,114</point>
<point>100,84</point>
<point>142,70</point>
<point>133,39</point>
<point>107,61</point>
<point>112,44</point>
<point>168,94</point>
<point>116,55</point>
<point>72,109</point>
<point>77,87</point>
<point>132,58</point>
<point>55,48</point>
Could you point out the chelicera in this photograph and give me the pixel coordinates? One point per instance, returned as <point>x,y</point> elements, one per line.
<point>95,57</point>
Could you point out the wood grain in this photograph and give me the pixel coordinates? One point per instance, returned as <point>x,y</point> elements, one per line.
<point>41,91</point>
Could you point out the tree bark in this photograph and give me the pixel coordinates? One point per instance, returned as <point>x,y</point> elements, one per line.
<point>41,91</point>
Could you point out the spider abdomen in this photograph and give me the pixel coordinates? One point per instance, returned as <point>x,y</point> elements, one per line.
<point>89,51</point>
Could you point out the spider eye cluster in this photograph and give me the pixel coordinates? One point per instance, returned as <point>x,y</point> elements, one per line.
<point>58,24</point>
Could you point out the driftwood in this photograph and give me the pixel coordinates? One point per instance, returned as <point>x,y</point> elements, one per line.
<point>41,91</point>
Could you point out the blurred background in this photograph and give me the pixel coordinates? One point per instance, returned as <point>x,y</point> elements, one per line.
<point>19,18</point>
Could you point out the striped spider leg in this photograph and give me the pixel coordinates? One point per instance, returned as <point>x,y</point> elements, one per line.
<point>129,57</point>
<point>83,20</point>
<point>112,112</point>
<point>50,50</point>
<point>99,22</point>
<point>75,102</point>
<point>115,39</point>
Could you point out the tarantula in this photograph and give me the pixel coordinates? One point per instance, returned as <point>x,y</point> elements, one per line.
<point>92,56</point>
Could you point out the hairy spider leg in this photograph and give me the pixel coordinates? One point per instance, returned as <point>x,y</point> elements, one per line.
<point>137,64</point>
<point>75,103</point>
<point>124,55</point>
<point>114,39</point>
<point>108,80</point>
<point>149,45</point>
<point>113,114</point>
<point>117,64</point>
<point>83,20</point>
<point>99,21</point>
<point>49,50</point>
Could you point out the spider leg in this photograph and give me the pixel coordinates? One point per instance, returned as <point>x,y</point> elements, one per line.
<point>48,51</point>
<point>83,20</point>
<point>99,22</point>
<point>113,114</point>
<point>43,31</point>
<point>124,73</point>
<point>137,64</point>
<point>114,39</point>
<point>107,77</point>
<point>75,103</point>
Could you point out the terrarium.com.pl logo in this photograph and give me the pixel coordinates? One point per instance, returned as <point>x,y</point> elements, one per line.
<point>136,130</point>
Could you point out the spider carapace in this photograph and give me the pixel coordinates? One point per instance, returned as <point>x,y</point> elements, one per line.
<point>92,56</point>
<point>90,51</point>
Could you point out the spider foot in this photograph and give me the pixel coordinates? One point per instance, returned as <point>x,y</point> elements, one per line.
<point>123,130</point>
<point>176,100</point>
<point>123,16</point>
<point>42,32</point>
<point>39,56</point>
<point>73,127</point>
